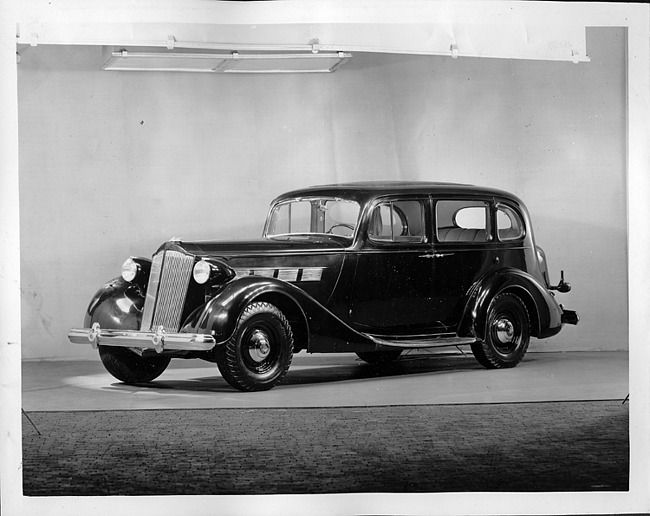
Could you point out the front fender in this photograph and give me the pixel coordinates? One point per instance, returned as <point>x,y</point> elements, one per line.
<point>544,311</point>
<point>117,305</point>
<point>321,329</point>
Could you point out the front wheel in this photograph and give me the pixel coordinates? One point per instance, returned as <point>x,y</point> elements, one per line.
<point>259,352</point>
<point>129,367</point>
<point>506,335</point>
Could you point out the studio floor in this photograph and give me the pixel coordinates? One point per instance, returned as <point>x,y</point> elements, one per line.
<point>436,422</point>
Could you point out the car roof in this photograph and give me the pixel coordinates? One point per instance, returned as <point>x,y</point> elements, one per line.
<point>365,190</point>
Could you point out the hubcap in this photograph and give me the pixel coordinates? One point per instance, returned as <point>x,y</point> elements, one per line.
<point>259,346</point>
<point>505,331</point>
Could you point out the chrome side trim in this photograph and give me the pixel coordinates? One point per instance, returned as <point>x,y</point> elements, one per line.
<point>291,274</point>
<point>158,340</point>
<point>312,273</point>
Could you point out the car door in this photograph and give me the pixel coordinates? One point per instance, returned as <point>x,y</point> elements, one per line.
<point>464,251</point>
<point>392,291</point>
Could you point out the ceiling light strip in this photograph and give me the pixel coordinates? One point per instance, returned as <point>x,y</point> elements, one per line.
<point>234,62</point>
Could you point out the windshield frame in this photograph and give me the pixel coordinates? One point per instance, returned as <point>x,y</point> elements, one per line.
<point>310,198</point>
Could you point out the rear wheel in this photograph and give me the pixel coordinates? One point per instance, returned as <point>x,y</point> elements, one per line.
<point>259,353</point>
<point>506,335</point>
<point>380,357</point>
<point>129,367</point>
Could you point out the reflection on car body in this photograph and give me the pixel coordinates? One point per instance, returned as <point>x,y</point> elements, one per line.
<point>366,268</point>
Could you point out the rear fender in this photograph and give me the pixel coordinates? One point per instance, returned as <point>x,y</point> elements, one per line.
<point>544,311</point>
<point>315,328</point>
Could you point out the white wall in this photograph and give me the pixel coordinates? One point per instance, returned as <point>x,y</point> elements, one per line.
<point>112,164</point>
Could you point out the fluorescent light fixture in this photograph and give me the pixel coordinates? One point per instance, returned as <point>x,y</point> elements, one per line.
<point>234,62</point>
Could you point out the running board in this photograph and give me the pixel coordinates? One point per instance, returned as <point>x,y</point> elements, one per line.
<point>432,342</point>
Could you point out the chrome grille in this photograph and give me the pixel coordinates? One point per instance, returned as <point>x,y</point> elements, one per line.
<point>168,282</point>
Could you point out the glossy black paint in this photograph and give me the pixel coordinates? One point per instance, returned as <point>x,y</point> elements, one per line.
<point>118,304</point>
<point>367,288</point>
<point>313,322</point>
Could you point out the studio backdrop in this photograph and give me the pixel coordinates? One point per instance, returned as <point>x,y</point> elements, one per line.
<point>114,163</point>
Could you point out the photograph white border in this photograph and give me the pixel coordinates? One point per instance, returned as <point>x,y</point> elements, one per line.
<point>72,16</point>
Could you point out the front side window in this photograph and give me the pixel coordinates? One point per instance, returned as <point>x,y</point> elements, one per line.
<point>462,221</point>
<point>310,216</point>
<point>397,221</point>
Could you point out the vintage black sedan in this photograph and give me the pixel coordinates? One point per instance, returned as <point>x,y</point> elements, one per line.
<point>366,268</point>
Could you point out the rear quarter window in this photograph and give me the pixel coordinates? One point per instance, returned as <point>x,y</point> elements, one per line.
<point>510,225</point>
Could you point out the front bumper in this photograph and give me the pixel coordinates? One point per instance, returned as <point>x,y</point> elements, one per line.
<point>158,340</point>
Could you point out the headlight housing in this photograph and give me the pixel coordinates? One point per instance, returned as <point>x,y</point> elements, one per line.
<point>214,271</point>
<point>201,272</point>
<point>130,269</point>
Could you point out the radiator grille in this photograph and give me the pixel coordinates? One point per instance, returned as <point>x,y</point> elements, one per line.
<point>167,289</point>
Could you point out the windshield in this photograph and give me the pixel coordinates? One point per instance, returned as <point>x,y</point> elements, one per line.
<point>309,216</point>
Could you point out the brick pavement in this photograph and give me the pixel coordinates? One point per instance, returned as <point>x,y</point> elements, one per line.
<point>555,446</point>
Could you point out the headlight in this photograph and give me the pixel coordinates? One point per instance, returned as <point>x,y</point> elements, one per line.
<point>129,269</point>
<point>201,272</point>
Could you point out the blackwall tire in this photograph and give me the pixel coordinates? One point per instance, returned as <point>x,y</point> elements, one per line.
<point>506,334</point>
<point>258,354</point>
<point>129,367</point>
<point>380,357</point>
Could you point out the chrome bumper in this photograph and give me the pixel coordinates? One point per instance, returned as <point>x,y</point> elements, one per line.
<point>158,340</point>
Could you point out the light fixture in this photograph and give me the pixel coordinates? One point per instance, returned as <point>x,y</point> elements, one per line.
<point>234,62</point>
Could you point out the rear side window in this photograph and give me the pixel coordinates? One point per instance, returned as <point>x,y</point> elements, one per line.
<point>509,223</point>
<point>397,221</point>
<point>462,221</point>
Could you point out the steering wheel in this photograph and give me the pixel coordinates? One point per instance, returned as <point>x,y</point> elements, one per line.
<point>341,225</point>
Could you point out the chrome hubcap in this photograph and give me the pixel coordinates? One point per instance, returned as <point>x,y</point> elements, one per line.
<point>259,346</point>
<point>505,331</point>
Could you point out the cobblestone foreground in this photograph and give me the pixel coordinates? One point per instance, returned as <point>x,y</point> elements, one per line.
<point>559,446</point>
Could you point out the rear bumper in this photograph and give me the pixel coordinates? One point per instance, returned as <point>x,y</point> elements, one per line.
<point>569,316</point>
<point>158,340</point>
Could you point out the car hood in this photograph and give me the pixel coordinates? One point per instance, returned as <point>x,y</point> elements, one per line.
<point>313,264</point>
<point>259,247</point>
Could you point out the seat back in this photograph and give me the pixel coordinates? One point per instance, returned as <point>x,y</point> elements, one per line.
<point>456,234</point>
